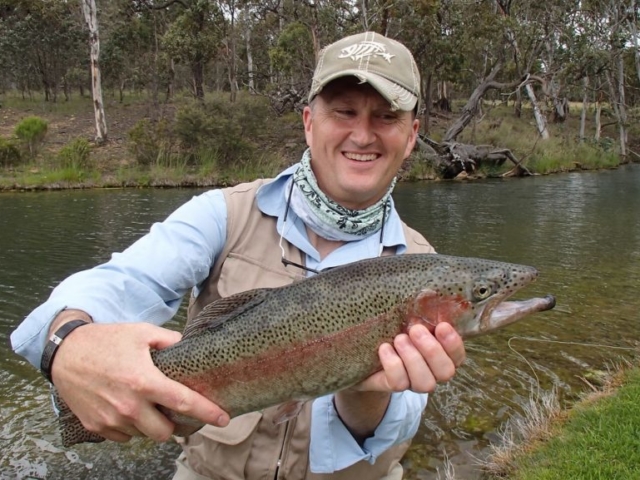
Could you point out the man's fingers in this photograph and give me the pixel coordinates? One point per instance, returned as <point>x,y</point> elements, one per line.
<point>153,424</point>
<point>440,364</point>
<point>419,374</point>
<point>395,376</point>
<point>451,342</point>
<point>115,436</point>
<point>188,402</point>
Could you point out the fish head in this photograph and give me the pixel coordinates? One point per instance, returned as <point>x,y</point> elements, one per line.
<point>470,294</point>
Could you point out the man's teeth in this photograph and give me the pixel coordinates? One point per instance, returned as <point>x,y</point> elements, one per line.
<point>360,158</point>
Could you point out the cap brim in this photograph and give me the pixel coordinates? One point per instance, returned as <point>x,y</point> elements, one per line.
<point>400,98</point>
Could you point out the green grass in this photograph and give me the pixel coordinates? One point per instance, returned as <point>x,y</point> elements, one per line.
<point>600,439</point>
<point>562,152</point>
<point>37,104</point>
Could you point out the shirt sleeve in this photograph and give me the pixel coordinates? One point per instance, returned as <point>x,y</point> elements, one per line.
<point>145,282</point>
<point>333,448</point>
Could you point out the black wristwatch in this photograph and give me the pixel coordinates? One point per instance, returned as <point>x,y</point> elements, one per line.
<point>51,348</point>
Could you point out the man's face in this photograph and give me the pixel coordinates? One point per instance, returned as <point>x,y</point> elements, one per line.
<point>357,142</point>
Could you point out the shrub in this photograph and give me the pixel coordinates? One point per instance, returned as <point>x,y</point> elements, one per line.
<point>150,141</point>
<point>216,126</point>
<point>31,132</point>
<point>9,153</point>
<point>75,154</point>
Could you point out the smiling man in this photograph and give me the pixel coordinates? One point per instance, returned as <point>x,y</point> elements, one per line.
<point>332,208</point>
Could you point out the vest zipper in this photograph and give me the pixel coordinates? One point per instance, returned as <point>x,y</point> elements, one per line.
<point>285,441</point>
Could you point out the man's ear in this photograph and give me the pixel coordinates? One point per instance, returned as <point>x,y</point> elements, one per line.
<point>307,115</point>
<point>415,128</point>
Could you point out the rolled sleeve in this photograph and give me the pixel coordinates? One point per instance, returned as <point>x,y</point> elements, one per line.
<point>333,448</point>
<point>144,283</point>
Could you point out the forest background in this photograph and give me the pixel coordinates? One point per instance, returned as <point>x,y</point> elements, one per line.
<point>204,92</point>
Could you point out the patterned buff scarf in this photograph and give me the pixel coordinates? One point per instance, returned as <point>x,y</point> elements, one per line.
<point>326,217</point>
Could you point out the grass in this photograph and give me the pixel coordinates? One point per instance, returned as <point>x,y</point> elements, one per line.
<point>598,438</point>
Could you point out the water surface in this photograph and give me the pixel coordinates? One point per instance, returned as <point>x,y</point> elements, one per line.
<point>581,230</point>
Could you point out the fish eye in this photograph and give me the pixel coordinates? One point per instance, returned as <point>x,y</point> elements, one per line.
<point>482,291</point>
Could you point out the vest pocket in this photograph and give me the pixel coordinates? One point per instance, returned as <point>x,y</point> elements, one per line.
<point>240,273</point>
<point>236,432</point>
<point>221,453</point>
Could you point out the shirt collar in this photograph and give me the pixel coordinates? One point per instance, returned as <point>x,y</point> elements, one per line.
<point>270,199</point>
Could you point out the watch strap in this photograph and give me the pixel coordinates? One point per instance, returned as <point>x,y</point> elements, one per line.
<point>54,342</point>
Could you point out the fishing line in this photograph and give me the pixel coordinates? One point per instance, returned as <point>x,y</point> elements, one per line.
<point>544,340</point>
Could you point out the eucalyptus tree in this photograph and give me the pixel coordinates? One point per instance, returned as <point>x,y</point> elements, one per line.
<point>194,36</point>
<point>41,38</point>
<point>91,17</point>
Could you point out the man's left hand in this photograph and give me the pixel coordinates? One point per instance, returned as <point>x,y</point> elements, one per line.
<point>417,360</point>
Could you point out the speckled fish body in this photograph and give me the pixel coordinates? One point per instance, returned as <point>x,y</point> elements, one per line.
<point>272,346</point>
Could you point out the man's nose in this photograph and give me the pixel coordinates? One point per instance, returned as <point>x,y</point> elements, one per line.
<point>363,133</point>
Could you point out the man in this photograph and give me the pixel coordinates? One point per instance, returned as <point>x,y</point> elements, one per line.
<point>334,207</point>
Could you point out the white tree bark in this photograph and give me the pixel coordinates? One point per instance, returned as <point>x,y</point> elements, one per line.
<point>585,107</point>
<point>252,86</point>
<point>91,17</point>
<point>635,38</point>
<point>598,120</point>
<point>616,92</point>
<point>541,121</point>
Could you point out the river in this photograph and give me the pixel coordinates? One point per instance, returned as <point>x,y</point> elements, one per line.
<point>581,230</point>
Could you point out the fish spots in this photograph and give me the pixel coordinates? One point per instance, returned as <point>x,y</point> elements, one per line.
<point>319,334</point>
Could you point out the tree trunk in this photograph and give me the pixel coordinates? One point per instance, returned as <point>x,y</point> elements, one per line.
<point>517,107</point>
<point>635,40</point>
<point>471,107</point>
<point>585,106</point>
<point>427,101</point>
<point>252,85</point>
<point>171,80</point>
<point>598,119</point>
<point>616,92</point>
<point>541,122</point>
<point>233,82</point>
<point>197,72</point>
<point>90,15</point>
<point>443,97</point>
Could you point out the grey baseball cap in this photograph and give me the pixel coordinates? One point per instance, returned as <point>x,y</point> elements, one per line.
<point>386,64</point>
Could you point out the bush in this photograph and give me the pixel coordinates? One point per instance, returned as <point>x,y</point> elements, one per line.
<point>150,141</point>
<point>75,154</point>
<point>31,132</point>
<point>219,127</point>
<point>9,153</point>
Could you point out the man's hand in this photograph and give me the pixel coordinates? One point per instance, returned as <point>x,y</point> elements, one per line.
<point>417,361</point>
<point>106,376</point>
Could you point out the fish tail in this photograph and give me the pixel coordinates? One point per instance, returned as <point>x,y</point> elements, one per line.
<point>71,429</point>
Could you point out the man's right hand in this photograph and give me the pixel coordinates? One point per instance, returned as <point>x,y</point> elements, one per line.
<point>105,374</point>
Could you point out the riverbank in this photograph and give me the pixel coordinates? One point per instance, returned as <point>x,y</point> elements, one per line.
<point>181,144</point>
<point>596,438</point>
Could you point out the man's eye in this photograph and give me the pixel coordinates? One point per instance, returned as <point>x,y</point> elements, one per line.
<point>388,117</point>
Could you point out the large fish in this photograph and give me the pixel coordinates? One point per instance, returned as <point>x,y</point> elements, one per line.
<point>286,345</point>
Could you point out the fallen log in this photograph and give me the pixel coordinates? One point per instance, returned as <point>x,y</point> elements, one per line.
<point>453,158</point>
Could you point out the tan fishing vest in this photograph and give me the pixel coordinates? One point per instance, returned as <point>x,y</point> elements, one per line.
<point>252,447</point>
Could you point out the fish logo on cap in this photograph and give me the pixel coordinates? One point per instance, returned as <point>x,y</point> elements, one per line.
<point>365,49</point>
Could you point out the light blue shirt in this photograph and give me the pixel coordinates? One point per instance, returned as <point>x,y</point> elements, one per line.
<point>147,281</point>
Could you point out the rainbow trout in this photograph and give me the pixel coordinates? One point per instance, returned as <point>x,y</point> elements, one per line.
<point>283,346</point>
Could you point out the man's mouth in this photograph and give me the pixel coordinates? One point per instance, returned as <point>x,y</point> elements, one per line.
<point>361,157</point>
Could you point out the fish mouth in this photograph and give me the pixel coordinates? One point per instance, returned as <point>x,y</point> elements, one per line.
<point>505,312</point>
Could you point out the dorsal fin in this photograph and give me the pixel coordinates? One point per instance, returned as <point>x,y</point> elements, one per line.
<point>223,309</point>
